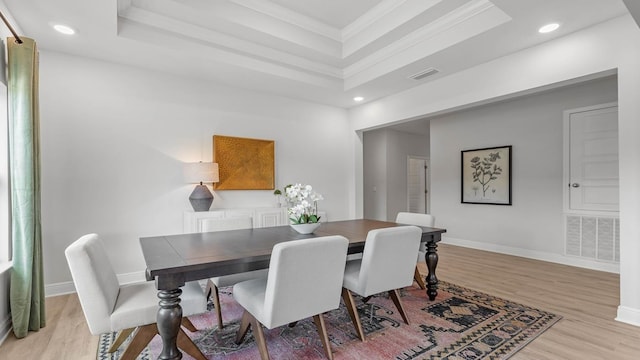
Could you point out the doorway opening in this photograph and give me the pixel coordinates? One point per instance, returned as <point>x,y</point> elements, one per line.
<point>418,184</point>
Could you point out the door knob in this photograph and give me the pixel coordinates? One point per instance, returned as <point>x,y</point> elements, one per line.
<point>575,185</point>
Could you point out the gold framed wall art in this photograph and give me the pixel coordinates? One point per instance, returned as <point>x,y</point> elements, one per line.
<point>244,164</point>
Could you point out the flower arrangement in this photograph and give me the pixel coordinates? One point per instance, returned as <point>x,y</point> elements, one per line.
<point>303,203</point>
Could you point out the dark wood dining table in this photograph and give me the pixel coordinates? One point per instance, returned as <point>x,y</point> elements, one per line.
<point>173,260</point>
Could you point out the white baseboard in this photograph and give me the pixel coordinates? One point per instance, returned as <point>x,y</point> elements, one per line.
<point>5,310</point>
<point>628,315</point>
<point>67,287</point>
<point>534,254</point>
<point>61,288</point>
<point>5,329</point>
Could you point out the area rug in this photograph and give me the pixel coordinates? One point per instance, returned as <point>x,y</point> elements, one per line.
<point>460,324</point>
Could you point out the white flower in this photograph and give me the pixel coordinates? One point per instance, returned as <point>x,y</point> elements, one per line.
<point>303,203</point>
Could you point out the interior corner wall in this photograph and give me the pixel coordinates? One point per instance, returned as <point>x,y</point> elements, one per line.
<point>533,126</point>
<point>629,163</point>
<point>114,139</point>
<point>374,145</point>
<point>4,34</point>
<point>5,269</point>
<point>385,167</point>
<point>401,145</point>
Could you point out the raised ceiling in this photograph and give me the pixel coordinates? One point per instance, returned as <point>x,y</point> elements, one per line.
<point>326,51</point>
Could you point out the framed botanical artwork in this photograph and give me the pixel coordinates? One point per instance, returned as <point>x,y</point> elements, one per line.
<point>243,163</point>
<point>486,176</point>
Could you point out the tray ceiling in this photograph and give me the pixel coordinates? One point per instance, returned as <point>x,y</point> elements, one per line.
<point>318,50</point>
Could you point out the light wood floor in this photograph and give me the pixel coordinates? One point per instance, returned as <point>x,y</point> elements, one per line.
<point>587,300</point>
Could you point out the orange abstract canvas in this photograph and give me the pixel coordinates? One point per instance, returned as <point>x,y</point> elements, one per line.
<point>244,164</point>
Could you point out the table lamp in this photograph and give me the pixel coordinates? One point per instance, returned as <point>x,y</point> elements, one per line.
<point>199,173</point>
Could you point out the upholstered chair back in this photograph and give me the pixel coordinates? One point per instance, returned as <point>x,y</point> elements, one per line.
<point>416,219</point>
<point>305,279</point>
<point>388,259</point>
<point>95,281</point>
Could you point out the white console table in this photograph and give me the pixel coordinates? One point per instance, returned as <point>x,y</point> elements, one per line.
<point>262,217</point>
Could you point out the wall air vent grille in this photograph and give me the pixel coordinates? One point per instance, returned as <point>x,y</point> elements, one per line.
<point>593,237</point>
<point>424,73</point>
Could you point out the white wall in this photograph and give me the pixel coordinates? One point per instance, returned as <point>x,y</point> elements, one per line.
<point>375,174</point>
<point>114,139</point>
<point>400,146</point>
<point>606,47</point>
<point>533,225</point>
<point>385,170</point>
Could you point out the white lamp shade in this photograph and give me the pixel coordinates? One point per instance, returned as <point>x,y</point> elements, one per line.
<point>206,172</point>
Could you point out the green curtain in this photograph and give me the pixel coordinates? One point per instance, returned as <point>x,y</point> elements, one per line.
<point>27,284</point>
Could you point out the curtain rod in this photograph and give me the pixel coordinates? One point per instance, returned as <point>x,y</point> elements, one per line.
<point>6,22</point>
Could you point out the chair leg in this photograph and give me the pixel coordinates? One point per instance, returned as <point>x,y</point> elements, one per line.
<point>216,302</point>
<point>187,324</point>
<point>210,286</point>
<point>322,331</point>
<point>395,296</point>
<point>244,327</point>
<point>353,312</point>
<point>140,341</point>
<point>249,321</point>
<point>419,279</point>
<point>258,334</point>
<point>185,343</point>
<point>122,336</point>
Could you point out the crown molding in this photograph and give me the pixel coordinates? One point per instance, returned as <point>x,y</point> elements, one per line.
<point>464,22</point>
<point>220,40</point>
<point>385,22</point>
<point>227,17</point>
<point>214,55</point>
<point>294,18</point>
<point>214,39</point>
<point>376,13</point>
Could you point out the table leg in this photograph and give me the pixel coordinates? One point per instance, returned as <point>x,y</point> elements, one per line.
<point>431,258</point>
<point>169,318</point>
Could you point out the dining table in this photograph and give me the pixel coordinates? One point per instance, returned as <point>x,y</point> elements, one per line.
<point>173,260</point>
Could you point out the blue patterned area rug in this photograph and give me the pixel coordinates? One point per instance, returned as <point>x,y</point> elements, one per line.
<point>461,324</point>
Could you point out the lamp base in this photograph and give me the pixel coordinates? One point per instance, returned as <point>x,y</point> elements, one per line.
<point>201,198</point>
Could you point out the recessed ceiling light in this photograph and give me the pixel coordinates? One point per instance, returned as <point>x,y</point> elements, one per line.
<point>64,29</point>
<point>549,28</point>
<point>358,98</point>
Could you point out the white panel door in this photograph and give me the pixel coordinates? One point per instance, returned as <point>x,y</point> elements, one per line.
<point>417,185</point>
<point>593,159</point>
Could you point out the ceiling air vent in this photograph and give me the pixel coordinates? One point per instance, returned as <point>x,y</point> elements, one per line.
<point>424,73</point>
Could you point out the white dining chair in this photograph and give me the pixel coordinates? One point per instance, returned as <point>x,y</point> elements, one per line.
<point>287,295</point>
<point>387,264</point>
<point>417,219</point>
<point>215,283</point>
<point>109,306</point>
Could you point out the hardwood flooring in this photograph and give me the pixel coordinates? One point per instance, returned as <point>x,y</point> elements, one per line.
<point>587,300</point>
<point>66,335</point>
